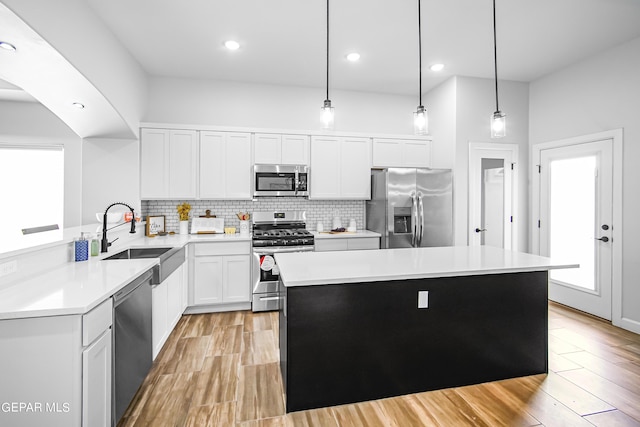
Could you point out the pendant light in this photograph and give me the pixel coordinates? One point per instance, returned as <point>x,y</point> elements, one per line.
<point>498,118</point>
<point>420,119</point>
<point>328,112</point>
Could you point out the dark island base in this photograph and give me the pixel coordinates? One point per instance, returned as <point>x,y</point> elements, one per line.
<point>354,342</point>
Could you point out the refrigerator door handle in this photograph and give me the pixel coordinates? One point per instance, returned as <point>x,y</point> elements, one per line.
<point>420,220</point>
<point>414,218</point>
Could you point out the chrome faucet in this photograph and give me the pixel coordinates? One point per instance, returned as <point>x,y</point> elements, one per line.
<point>106,243</point>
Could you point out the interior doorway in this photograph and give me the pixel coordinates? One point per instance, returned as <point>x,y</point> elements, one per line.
<point>492,194</point>
<point>575,206</point>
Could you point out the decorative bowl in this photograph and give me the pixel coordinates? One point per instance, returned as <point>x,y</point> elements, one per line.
<point>112,217</point>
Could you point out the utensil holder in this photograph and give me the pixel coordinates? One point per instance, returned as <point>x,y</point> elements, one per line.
<point>244,227</point>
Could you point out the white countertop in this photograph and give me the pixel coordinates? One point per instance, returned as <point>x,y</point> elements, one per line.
<point>323,268</point>
<point>346,235</point>
<point>77,287</point>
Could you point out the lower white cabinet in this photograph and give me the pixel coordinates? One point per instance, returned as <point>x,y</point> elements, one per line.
<point>346,244</point>
<point>221,275</point>
<point>96,382</point>
<point>60,366</point>
<point>168,304</point>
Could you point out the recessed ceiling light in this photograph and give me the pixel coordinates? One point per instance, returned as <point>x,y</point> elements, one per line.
<point>353,56</point>
<point>232,45</point>
<point>7,46</point>
<point>436,67</point>
<point>78,105</point>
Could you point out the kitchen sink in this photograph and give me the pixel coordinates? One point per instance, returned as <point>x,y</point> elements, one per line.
<point>170,259</point>
<point>137,253</point>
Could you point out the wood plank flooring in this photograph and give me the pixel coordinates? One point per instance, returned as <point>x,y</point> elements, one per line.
<point>222,370</point>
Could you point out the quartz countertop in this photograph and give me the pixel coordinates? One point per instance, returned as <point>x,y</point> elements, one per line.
<point>324,268</point>
<point>346,235</point>
<point>74,288</point>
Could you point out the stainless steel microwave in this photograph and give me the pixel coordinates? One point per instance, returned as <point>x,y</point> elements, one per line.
<point>280,181</point>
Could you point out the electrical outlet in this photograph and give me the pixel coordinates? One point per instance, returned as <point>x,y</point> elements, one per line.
<point>423,299</point>
<point>8,268</point>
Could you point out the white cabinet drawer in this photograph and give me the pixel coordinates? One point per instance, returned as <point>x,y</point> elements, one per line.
<point>364,243</point>
<point>95,322</point>
<point>323,245</point>
<point>222,248</point>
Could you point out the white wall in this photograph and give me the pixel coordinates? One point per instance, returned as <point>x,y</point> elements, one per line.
<point>32,123</point>
<point>110,173</point>
<point>210,102</point>
<point>475,105</point>
<point>598,94</point>
<point>440,103</point>
<point>78,34</point>
<point>459,111</point>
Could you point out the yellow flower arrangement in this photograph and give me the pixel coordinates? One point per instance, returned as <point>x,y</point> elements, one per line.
<point>183,211</point>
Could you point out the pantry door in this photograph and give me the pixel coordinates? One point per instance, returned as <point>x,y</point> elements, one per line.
<point>576,223</point>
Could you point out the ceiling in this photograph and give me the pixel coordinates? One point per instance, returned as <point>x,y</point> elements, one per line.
<point>283,41</point>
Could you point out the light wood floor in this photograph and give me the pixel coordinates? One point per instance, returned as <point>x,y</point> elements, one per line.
<point>222,370</point>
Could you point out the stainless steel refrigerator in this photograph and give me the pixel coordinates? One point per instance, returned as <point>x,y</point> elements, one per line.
<point>411,207</point>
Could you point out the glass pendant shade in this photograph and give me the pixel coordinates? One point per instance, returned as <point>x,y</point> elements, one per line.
<point>420,121</point>
<point>327,116</point>
<point>498,124</point>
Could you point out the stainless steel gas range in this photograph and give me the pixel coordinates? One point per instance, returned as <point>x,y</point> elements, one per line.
<point>273,232</point>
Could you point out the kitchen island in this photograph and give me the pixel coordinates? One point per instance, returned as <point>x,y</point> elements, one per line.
<point>365,325</point>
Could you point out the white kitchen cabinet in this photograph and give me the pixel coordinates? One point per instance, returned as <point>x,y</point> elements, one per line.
<point>159,317</point>
<point>295,150</point>
<point>96,365</point>
<point>346,244</point>
<point>225,165</point>
<point>355,168</point>
<point>168,160</point>
<point>388,153</point>
<point>60,363</point>
<point>96,382</point>
<point>167,308</point>
<point>236,274</point>
<point>276,149</point>
<point>340,168</point>
<point>221,275</point>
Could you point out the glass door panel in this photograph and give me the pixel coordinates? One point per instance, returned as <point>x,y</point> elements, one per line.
<point>572,218</point>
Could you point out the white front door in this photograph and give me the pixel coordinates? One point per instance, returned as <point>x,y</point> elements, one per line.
<point>576,215</point>
<point>492,195</point>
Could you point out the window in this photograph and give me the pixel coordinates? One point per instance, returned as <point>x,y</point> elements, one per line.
<point>31,190</point>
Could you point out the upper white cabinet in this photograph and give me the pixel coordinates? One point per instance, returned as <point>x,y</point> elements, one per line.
<point>388,153</point>
<point>225,165</point>
<point>168,161</point>
<point>340,168</point>
<point>276,149</point>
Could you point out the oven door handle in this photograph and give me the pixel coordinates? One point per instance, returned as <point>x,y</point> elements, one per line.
<point>255,270</point>
<point>271,251</point>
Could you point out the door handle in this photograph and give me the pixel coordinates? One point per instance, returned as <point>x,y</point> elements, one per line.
<point>420,220</point>
<point>414,218</point>
<point>604,239</point>
<point>480,230</point>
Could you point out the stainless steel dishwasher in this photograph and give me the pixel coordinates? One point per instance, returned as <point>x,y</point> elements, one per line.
<point>132,347</point>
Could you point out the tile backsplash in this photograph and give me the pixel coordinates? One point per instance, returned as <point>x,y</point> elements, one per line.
<point>317,210</point>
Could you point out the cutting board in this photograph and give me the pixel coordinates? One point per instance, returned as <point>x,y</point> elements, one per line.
<point>337,232</point>
<point>207,225</point>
